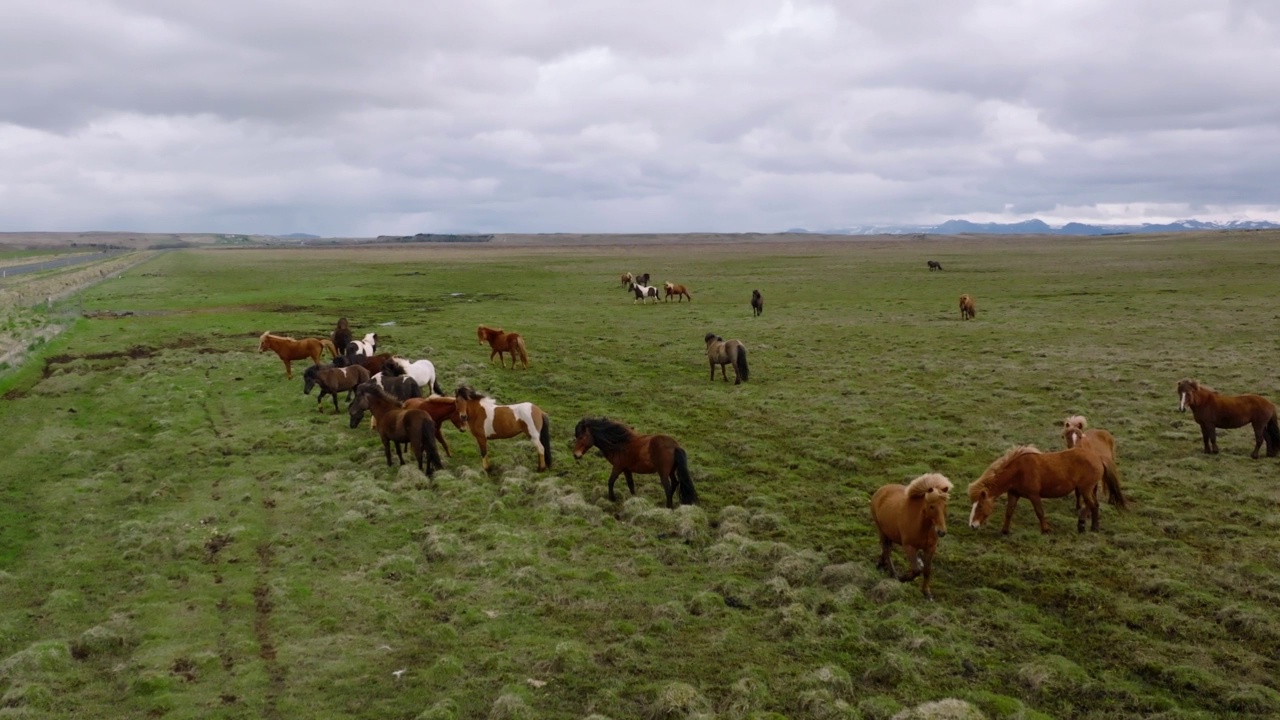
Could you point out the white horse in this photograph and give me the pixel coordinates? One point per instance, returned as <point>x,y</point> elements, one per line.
<point>367,346</point>
<point>421,370</point>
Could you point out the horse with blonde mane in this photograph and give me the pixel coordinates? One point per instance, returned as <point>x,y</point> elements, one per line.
<point>500,342</point>
<point>288,349</point>
<point>627,278</point>
<point>679,292</point>
<point>967,308</point>
<point>727,352</point>
<point>913,516</point>
<point>489,421</point>
<point>1212,411</point>
<point>1101,442</point>
<point>1025,471</point>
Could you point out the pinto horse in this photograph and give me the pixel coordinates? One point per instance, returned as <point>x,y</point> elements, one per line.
<point>289,349</point>
<point>366,346</point>
<point>489,421</point>
<point>332,380</point>
<point>399,425</point>
<point>679,292</point>
<point>341,334</point>
<point>934,265</point>
<point>630,452</point>
<point>727,352</point>
<point>500,342</point>
<point>643,293</point>
<point>968,309</point>
<point>1025,471</point>
<point>757,303</point>
<point>422,371</point>
<point>1212,411</point>
<point>913,516</point>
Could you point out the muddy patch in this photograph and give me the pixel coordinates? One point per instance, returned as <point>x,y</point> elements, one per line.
<point>137,352</point>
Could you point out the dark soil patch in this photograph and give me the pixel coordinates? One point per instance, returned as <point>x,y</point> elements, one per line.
<point>137,352</point>
<point>15,394</point>
<point>184,668</point>
<point>215,545</point>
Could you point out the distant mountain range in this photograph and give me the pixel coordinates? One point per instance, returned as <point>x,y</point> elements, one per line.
<point>1039,227</point>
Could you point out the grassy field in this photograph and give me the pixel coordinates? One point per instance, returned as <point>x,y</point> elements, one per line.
<point>184,535</point>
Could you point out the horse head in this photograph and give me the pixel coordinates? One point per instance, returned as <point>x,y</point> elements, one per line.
<point>983,506</point>
<point>582,439</point>
<point>935,490</point>
<point>462,398</point>
<point>1188,392</point>
<point>262,341</point>
<point>310,378</point>
<point>1073,430</point>
<point>361,403</point>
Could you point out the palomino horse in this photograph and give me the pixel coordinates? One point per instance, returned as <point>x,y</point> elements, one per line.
<point>1101,442</point>
<point>643,293</point>
<point>399,425</point>
<point>1024,471</point>
<point>289,349</point>
<point>1228,412</point>
<point>967,308</point>
<point>913,516</point>
<point>332,380</point>
<point>679,292</point>
<point>440,409</point>
<point>500,342</point>
<point>727,352</point>
<point>421,370</point>
<point>489,421</point>
<point>630,452</point>
<point>366,346</point>
<point>627,279</point>
<point>757,303</point>
<point>341,334</point>
<point>934,265</point>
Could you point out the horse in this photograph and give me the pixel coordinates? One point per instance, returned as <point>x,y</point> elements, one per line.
<point>731,352</point>
<point>757,303</point>
<point>967,308</point>
<point>401,387</point>
<point>913,516</point>
<point>1101,442</point>
<point>332,380</point>
<point>642,279</point>
<point>421,370</point>
<point>934,265</point>
<point>679,292</point>
<point>366,346</point>
<point>289,349</point>
<point>1025,471</point>
<point>643,293</point>
<point>440,408</point>
<point>627,278</point>
<point>500,342</point>
<point>630,452</point>
<point>371,363</point>
<point>489,421</point>
<point>341,334</point>
<point>1212,411</point>
<point>398,424</point>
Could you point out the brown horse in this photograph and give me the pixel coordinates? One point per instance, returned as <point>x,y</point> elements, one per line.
<point>1025,471</point>
<point>501,342</point>
<point>489,421</point>
<point>913,516</point>
<point>1101,442</point>
<point>289,349</point>
<point>440,408</point>
<point>967,308</point>
<point>627,279</point>
<point>679,292</point>
<point>757,303</point>
<point>332,380</point>
<point>372,363</point>
<point>399,425</point>
<point>1213,411</point>
<point>934,265</point>
<point>727,352</point>
<point>341,334</point>
<point>630,452</point>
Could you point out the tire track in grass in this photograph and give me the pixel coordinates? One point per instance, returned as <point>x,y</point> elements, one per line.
<point>263,605</point>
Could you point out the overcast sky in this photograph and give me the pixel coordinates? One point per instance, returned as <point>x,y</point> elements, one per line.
<point>403,116</point>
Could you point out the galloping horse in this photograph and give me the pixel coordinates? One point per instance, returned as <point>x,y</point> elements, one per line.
<point>289,349</point>
<point>440,409</point>
<point>501,342</point>
<point>934,265</point>
<point>421,370</point>
<point>341,334</point>
<point>1025,471</point>
<point>1213,411</point>
<point>757,303</point>
<point>1101,442</point>
<point>643,293</point>
<point>627,279</point>
<point>913,516</point>
<point>679,292</point>
<point>630,452</point>
<point>489,421</point>
<point>727,352</point>
<point>366,346</point>
<point>398,424</point>
<point>332,380</point>
<point>967,308</point>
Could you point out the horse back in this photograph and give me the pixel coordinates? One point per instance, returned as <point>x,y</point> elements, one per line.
<point>1056,474</point>
<point>1233,411</point>
<point>888,505</point>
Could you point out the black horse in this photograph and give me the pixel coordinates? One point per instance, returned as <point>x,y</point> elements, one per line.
<point>934,265</point>
<point>757,303</point>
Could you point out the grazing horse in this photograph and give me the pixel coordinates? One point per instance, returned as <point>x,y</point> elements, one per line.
<point>489,421</point>
<point>967,308</point>
<point>421,370</point>
<point>934,265</point>
<point>757,303</point>
<point>913,516</point>
<point>399,425</point>
<point>630,452</point>
<point>289,349</point>
<point>679,292</point>
<point>341,334</point>
<point>627,279</point>
<point>727,352</point>
<point>332,380</point>
<point>500,342</point>
<point>366,346</point>
<point>1025,471</point>
<point>440,409</point>
<point>371,363</point>
<point>1212,411</point>
<point>1101,442</point>
<point>643,293</point>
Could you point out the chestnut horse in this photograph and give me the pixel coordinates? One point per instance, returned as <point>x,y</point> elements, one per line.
<point>1101,442</point>
<point>439,407</point>
<point>399,425</point>
<point>1213,411</point>
<point>341,334</point>
<point>1025,471</point>
<point>332,380</point>
<point>913,516</point>
<point>289,349</point>
<point>371,363</point>
<point>501,342</point>
<point>489,421</point>
<point>627,279</point>
<point>757,303</point>
<point>630,452</point>
<point>727,352</point>
<point>967,308</point>
<point>679,292</point>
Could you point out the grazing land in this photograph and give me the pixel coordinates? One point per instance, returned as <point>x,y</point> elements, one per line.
<point>184,535</point>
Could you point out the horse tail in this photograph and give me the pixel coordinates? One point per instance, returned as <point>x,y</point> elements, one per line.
<point>428,431</point>
<point>544,437</point>
<point>517,344</point>
<point>688,495</point>
<point>1273,435</point>
<point>435,386</point>
<point>1112,480</point>
<point>327,344</point>
<point>740,363</point>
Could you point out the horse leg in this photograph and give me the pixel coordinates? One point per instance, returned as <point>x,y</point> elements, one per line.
<point>668,486</point>
<point>913,562</point>
<point>1258,439</point>
<point>1204,435</point>
<point>631,483</point>
<point>712,363</point>
<point>440,439</point>
<point>1008,513</point>
<point>334,393</point>
<point>723,375</point>
<point>1095,509</point>
<point>1035,503</point>
<point>886,556</point>
<point>1213,439</point>
<point>288,368</point>
<point>484,453</point>
<point>928,572</point>
<point>386,449</point>
<point>612,477</point>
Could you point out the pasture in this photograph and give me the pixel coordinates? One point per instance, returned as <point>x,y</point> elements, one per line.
<point>184,535</point>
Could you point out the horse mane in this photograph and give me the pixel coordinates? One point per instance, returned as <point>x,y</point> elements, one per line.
<point>1196,386</point>
<point>1075,421</point>
<point>921,485</point>
<point>393,363</point>
<point>466,392</point>
<point>712,336</point>
<point>994,468</point>
<point>609,435</point>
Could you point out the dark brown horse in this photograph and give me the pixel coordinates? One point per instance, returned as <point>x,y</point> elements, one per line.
<point>913,516</point>
<point>332,380</point>
<point>1212,411</point>
<point>500,342</point>
<point>440,408</point>
<point>1024,471</point>
<point>968,309</point>
<point>757,303</point>
<point>373,363</point>
<point>630,452</point>
<point>399,425</point>
<point>727,352</point>
<point>489,421</point>
<point>341,334</point>
<point>288,349</point>
<point>679,292</point>
<point>934,265</point>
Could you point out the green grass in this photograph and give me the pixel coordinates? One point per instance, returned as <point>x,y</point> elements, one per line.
<point>183,535</point>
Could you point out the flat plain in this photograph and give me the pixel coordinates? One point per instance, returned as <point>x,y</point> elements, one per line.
<point>183,534</point>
